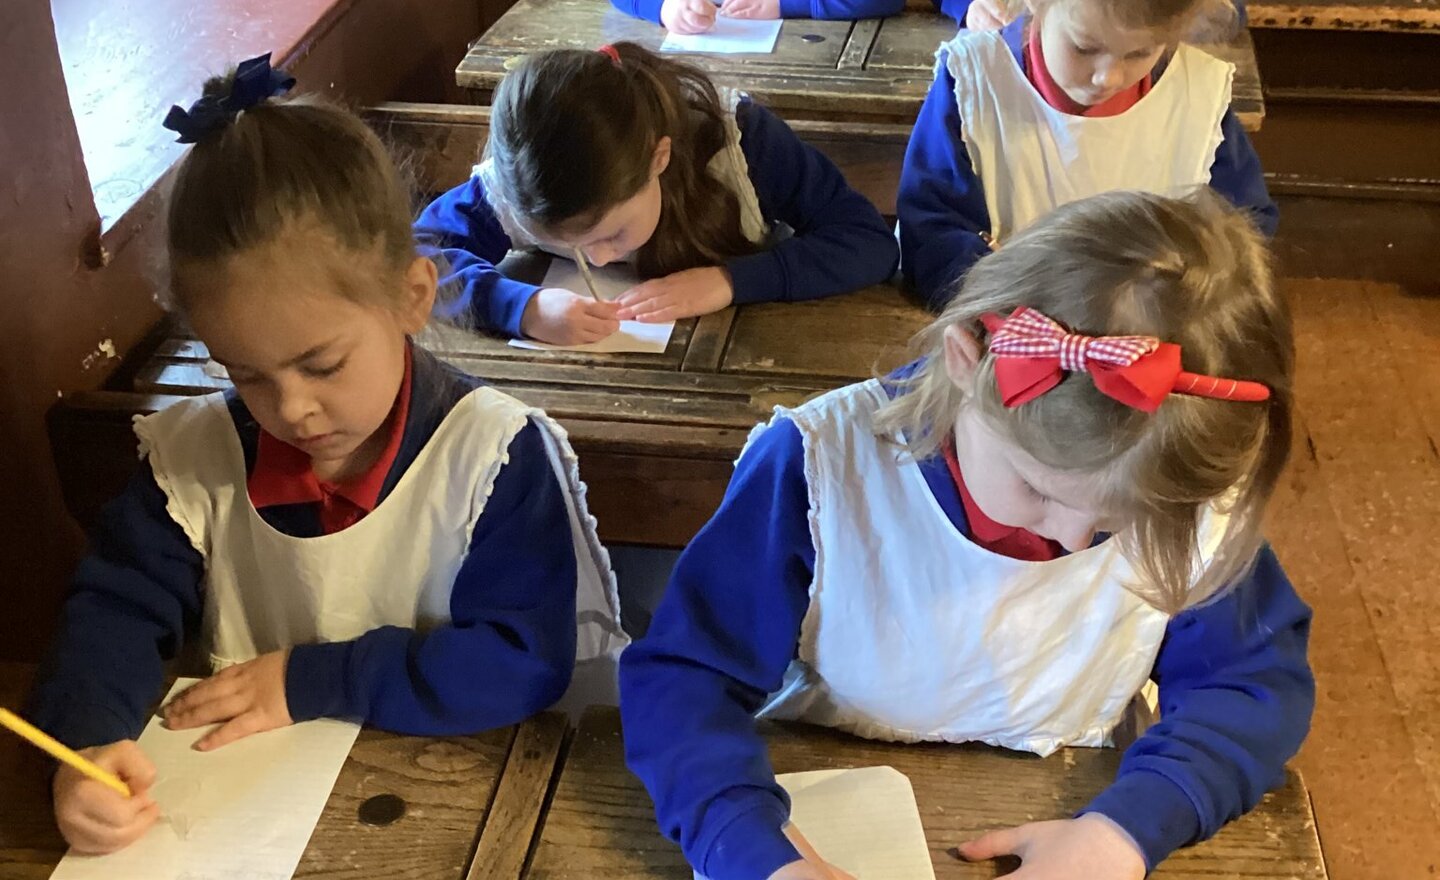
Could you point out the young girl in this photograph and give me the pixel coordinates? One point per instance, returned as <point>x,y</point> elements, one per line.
<point>358,530</point>
<point>1001,543</point>
<point>1077,98</point>
<point>624,155</point>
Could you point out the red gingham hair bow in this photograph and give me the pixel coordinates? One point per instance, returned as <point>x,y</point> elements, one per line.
<point>1033,353</point>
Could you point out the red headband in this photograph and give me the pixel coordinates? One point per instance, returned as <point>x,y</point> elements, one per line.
<point>1033,353</point>
<point>611,52</point>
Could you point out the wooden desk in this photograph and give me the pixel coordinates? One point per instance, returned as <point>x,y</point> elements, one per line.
<point>867,71</point>
<point>1415,16</point>
<point>473,802</point>
<point>601,825</point>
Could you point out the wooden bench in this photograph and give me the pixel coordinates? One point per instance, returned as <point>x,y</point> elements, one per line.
<point>600,824</point>
<point>472,802</point>
<point>872,70</point>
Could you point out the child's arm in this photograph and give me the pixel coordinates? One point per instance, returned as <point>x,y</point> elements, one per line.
<point>841,242</point>
<point>834,10</point>
<point>720,642</point>
<point>992,13</point>
<point>461,230</point>
<point>1236,174</point>
<point>510,647</point>
<point>646,9</point>
<point>840,10</point>
<point>134,597</point>
<point>1236,694</point>
<point>940,203</point>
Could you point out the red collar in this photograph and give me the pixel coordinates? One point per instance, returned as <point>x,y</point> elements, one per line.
<point>283,474</point>
<point>1039,76</point>
<point>993,536</point>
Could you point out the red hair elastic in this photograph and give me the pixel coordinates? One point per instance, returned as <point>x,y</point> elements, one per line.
<point>611,52</point>
<point>1033,353</point>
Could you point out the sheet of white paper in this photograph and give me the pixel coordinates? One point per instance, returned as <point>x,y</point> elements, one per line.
<point>242,812</point>
<point>864,821</point>
<point>610,282</point>
<point>728,36</point>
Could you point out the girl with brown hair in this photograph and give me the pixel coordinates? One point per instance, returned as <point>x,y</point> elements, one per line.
<point>627,156</point>
<point>356,529</point>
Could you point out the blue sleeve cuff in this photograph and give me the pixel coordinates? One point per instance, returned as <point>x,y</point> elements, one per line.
<point>758,278</point>
<point>508,300</point>
<point>315,682</point>
<point>646,9</point>
<point>751,844</point>
<point>1154,811</point>
<point>83,724</point>
<point>795,9</point>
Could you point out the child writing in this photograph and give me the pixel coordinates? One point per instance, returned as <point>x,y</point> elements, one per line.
<point>358,529</point>
<point>1077,98</point>
<point>1002,543</point>
<point>627,156</point>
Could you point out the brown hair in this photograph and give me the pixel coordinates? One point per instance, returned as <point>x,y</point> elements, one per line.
<point>572,134</point>
<point>1196,21</point>
<point>1190,271</point>
<point>291,168</point>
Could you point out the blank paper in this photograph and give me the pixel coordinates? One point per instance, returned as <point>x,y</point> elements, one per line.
<point>242,812</point>
<point>610,281</point>
<point>864,821</point>
<point>729,36</point>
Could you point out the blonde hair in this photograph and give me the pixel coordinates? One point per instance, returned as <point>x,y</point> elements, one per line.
<point>1194,21</point>
<point>299,169</point>
<point>1190,271</point>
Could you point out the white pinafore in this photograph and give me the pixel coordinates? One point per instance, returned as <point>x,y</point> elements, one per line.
<point>1032,158</point>
<point>265,590</point>
<point>915,633</point>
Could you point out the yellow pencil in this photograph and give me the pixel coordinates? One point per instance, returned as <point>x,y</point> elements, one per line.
<point>59,751</point>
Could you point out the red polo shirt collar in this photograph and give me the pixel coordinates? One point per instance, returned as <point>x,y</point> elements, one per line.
<point>283,475</point>
<point>1055,96</point>
<point>993,536</point>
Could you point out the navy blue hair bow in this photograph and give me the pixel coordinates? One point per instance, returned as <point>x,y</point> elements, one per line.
<point>254,82</point>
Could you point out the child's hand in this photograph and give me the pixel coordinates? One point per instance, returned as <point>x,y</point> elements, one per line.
<point>562,317</point>
<point>809,866</point>
<point>763,9</point>
<point>807,870</point>
<point>688,16</point>
<point>984,15</point>
<point>680,295</point>
<point>249,697</point>
<point>1091,847</point>
<point>94,818</point>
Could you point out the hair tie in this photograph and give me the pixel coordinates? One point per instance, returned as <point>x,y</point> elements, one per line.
<point>254,81</point>
<point>610,52</point>
<point>1033,353</point>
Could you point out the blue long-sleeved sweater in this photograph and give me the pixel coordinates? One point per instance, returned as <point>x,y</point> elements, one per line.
<point>941,201</point>
<point>841,243</point>
<point>1236,691</point>
<point>837,10</point>
<point>137,596</point>
<point>832,10</point>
